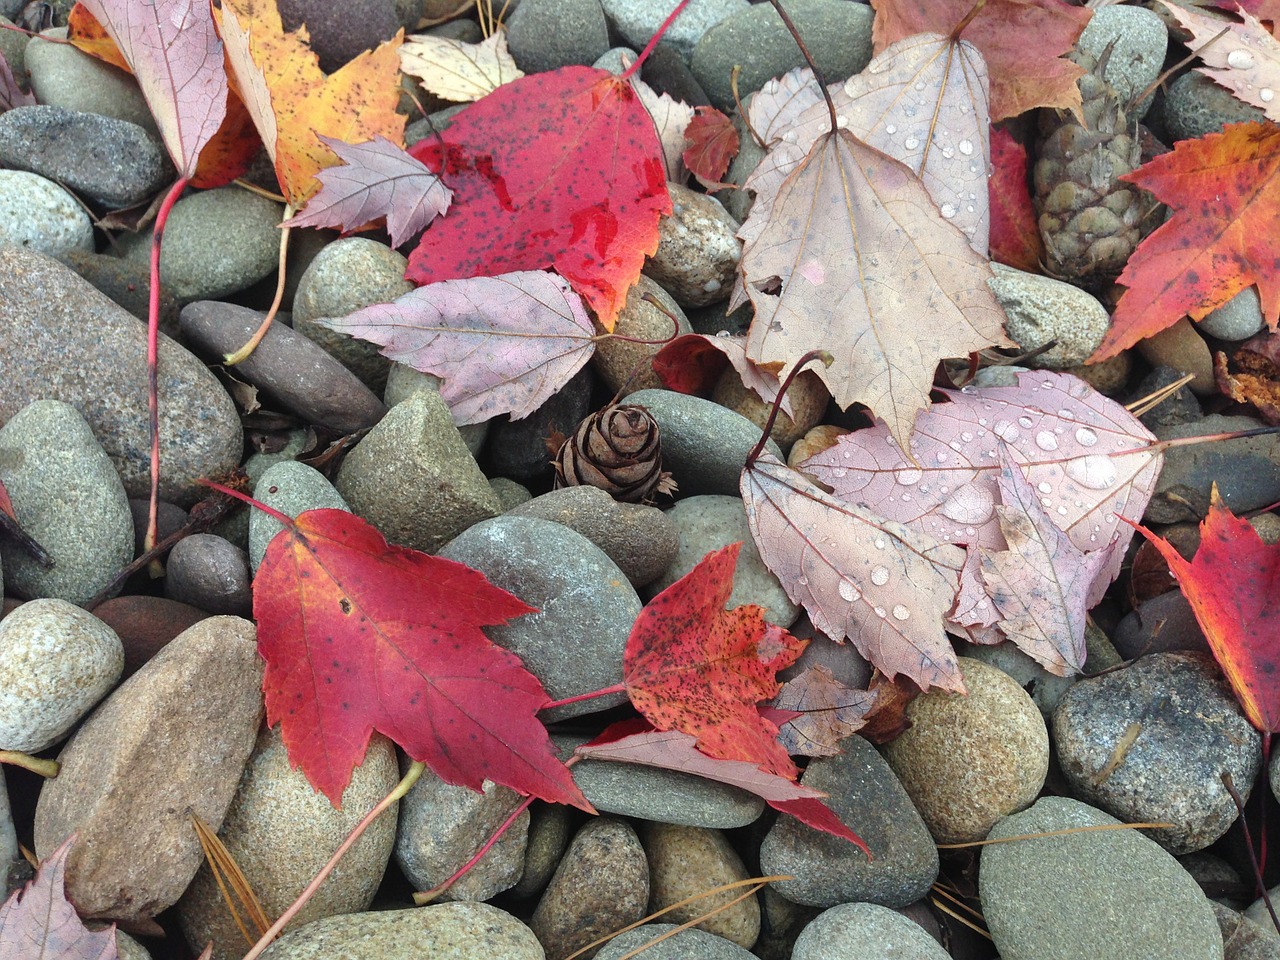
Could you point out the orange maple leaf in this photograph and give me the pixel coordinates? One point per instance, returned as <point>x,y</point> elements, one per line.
<point>293,102</point>
<point>1224,190</point>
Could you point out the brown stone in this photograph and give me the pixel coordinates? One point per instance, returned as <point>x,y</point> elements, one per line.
<point>145,624</point>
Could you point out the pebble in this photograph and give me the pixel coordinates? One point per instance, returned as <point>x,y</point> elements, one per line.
<point>286,366</point>
<point>546,34</point>
<point>667,71</point>
<point>13,45</point>
<point>624,366</point>
<point>1195,106</point>
<point>112,163</point>
<point>642,540</point>
<point>1110,377</point>
<point>1247,471</point>
<point>1046,689</point>
<point>207,572</point>
<point>708,523</point>
<point>38,215</point>
<point>1180,407</point>
<point>601,885</point>
<point>341,32</point>
<point>56,662</point>
<point>8,834</point>
<point>865,931</point>
<point>509,493</point>
<point>807,393</point>
<point>1148,742</point>
<point>616,60</point>
<point>145,625</point>
<point>586,606</point>
<point>638,20</point>
<point>63,76</point>
<point>1246,939</point>
<point>446,931</point>
<point>170,741</point>
<point>442,827</point>
<point>347,275</point>
<point>292,488</point>
<point>1040,309</point>
<point>968,760</point>
<point>413,478</point>
<point>687,861</point>
<point>1163,623</point>
<point>814,441</point>
<point>403,382</point>
<point>216,243</point>
<point>689,944</point>
<point>1257,913</point>
<point>1182,348</point>
<point>297,442</point>
<point>67,495</point>
<point>280,832</point>
<point>864,793</point>
<point>667,796</point>
<point>698,249</point>
<point>1084,895</point>
<point>549,833</point>
<point>125,282</point>
<point>517,449</point>
<point>704,445</point>
<point>837,33</point>
<point>1138,40</point>
<point>1237,319</point>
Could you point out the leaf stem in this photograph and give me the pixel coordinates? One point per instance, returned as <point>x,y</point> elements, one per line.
<point>795,35</point>
<point>1248,843</point>
<point>239,356</point>
<point>45,768</point>
<point>426,896</point>
<point>808,358</point>
<point>654,40</point>
<point>271,512</point>
<point>616,688</point>
<point>1161,445</point>
<point>408,780</point>
<point>968,19</point>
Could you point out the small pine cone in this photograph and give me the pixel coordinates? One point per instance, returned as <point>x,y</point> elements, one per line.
<point>1089,217</point>
<point>617,449</point>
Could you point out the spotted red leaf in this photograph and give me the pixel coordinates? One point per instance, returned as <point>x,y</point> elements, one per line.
<point>38,922</point>
<point>693,666</point>
<point>635,741</point>
<point>1233,584</point>
<point>360,636</point>
<point>562,169</point>
<point>711,144</point>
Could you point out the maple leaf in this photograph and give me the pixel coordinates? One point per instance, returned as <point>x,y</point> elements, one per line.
<point>862,577</point>
<point>1233,584</point>
<point>456,70</point>
<point>580,190</point>
<point>1246,61</point>
<point>11,95</point>
<point>693,666</point>
<point>1086,455</point>
<point>293,103</point>
<point>37,921</point>
<point>1022,40</point>
<point>636,741</point>
<point>1224,191</point>
<point>502,344</point>
<point>855,257</point>
<point>1252,375</point>
<point>694,362</point>
<point>376,179</point>
<point>671,120</point>
<point>1015,232</point>
<point>361,636</point>
<point>828,712</point>
<point>711,143</point>
<point>1041,583</point>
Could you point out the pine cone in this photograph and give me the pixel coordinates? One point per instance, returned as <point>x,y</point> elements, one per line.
<point>617,449</point>
<point>1089,218</point>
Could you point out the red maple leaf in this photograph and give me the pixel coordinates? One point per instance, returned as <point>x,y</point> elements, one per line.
<point>691,665</point>
<point>1015,234</point>
<point>361,636</point>
<point>711,143</point>
<point>562,169</point>
<point>1224,190</point>
<point>1233,584</point>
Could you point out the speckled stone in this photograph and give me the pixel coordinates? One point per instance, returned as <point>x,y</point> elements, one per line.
<point>686,861</point>
<point>446,931</point>
<point>1189,729</point>
<point>638,20</point>
<point>601,885</point>
<point>291,488</point>
<point>56,662</point>
<point>698,250</point>
<point>545,34</point>
<point>865,931</point>
<point>1237,319</point>
<point>64,76</point>
<point>549,834</point>
<point>689,944</point>
<point>1085,895</point>
<point>403,382</point>
<point>1258,913</point>
<point>345,276</point>
<point>1181,347</point>
<point>210,573</point>
<point>1040,309</point>
<point>968,760</point>
<point>280,831</point>
<point>1138,41</point>
<point>620,362</point>
<point>710,522</point>
<point>1195,106</point>
<point>41,216</point>
<point>1245,939</point>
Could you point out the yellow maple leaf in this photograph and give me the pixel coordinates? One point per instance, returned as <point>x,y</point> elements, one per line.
<point>292,101</point>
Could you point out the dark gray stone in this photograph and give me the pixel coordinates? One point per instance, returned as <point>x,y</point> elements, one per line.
<point>64,76</point>
<point>545,34</point>
<point>340,32</point>
<point>1246,471</point>
<point>1195,106</point>
<point>1180,407</point>
<point>518,448</point>
<point>211,574</point>
<point>110,162</point>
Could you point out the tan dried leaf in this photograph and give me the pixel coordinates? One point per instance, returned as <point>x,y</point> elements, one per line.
<point>458,71</point>
<point>1246,60</point>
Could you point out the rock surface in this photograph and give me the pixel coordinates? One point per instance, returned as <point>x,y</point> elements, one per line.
<point>865,931</point>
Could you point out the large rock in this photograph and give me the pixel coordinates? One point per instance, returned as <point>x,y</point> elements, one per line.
<point>66,341</point>
<point>171,741</point>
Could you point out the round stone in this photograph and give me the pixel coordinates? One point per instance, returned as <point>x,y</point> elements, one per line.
<point>39,215</point>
